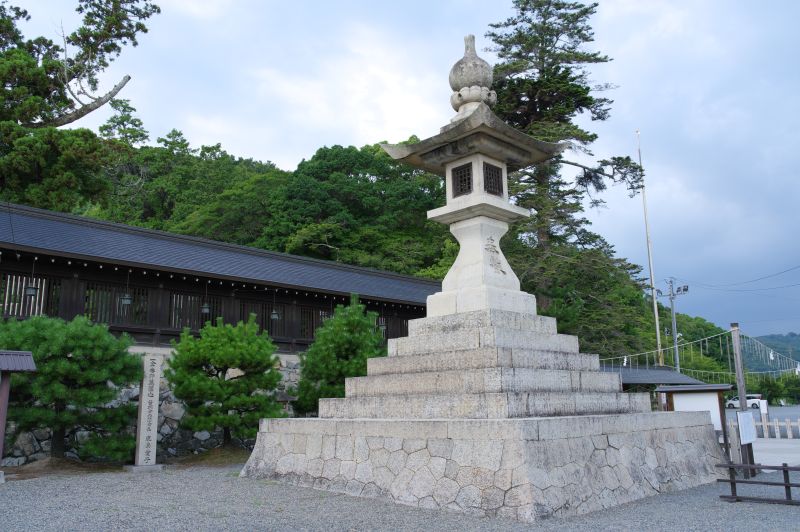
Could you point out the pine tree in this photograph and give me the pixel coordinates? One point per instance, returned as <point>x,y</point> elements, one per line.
<point>123,125</point>
<point>45,84</point>
<point>79,369</point>
<point>225,378</point>
<point>542,85</point>
<point>340,350</point>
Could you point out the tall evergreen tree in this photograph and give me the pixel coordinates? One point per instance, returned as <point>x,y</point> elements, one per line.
<point>45,85</point>
<point>542,83</point>
<point>123,125</point>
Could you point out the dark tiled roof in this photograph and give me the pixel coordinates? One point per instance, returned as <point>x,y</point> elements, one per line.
<point>16,361</point>
<point>651,375</point>
<point>696,388</point>
<point>74,236</point>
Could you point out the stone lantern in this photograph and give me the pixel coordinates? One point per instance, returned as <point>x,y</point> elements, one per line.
<point>474,153</point>
<point>484,408</point>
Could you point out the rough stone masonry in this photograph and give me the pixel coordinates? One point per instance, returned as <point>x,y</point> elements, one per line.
<point>484,408</point>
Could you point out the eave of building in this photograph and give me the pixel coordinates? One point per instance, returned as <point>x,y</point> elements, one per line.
<point>53,234</point>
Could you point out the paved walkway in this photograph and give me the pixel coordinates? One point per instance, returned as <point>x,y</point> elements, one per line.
<point>215,498</point>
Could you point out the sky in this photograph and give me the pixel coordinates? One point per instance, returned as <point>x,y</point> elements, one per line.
<point>711,85</point>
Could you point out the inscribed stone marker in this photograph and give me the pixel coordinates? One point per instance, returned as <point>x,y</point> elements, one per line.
<point>147,427</point>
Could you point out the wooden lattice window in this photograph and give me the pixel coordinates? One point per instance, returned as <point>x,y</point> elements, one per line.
<point>462,179</point>
<point>102,304</point>
<point>14,302</point>
<point>254,307</point>
<point>310,320</point>
<point>276,328</point>
<point>396,327</point>
<point>185,310</point>
<point>492,179</point>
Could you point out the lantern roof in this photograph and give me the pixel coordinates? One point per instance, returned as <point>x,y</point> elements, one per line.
<point>475,128</point>
<point>481,131</point>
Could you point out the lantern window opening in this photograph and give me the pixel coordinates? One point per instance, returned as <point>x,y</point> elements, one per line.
<point>462,179</point>
<point>492,179</point>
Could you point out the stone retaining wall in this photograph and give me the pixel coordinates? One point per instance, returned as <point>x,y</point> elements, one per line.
<point>30,446</point>
<point>523,469</point>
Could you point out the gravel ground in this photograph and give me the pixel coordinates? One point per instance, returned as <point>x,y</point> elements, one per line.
<point>214,498</point>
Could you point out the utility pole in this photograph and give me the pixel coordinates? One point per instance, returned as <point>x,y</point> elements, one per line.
<point>650,257</point>
<point>741,388</point>
<point>673,293</point>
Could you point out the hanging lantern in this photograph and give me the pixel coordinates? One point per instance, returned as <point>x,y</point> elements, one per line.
<point>126,299</point>
<point>205,308</point>
<point>274,316</point>
<point>30,288</point>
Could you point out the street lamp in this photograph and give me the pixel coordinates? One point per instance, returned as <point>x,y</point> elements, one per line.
<point>673,293</point>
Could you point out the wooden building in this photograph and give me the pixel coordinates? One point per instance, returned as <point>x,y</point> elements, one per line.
<point>153,284</point>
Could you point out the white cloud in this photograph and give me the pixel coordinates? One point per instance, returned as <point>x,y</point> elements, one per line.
<point>200,9</point>
<point>372,89</point>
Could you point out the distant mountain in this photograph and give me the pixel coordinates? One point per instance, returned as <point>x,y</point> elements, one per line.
<point>787,344</point>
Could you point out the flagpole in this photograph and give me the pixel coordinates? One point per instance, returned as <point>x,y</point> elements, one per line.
<point>650,257</point>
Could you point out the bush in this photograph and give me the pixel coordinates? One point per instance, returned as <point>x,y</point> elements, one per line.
<point>341,349</point>
<point>79,367</point>
<point>199,375</point>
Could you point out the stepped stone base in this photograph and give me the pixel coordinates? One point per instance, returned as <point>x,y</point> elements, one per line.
<point>493,413</point>
<point>523,469</point>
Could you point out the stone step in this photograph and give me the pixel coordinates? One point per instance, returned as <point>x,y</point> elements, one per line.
<point>482,357</point>
<point>484,405</point>
<point>479,319</point>
<point>487,380</point>
<point>481,337</point>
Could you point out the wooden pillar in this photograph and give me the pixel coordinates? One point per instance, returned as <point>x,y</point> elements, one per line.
<point>5,387</point>
<point>724,422</point>
<point>230,311</point>
<point>293,323</point>
<point>741,388</point>
<point>72,301</point>
<point>158,311</point>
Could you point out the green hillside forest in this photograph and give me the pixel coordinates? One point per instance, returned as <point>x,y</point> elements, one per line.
<point>349,204</point>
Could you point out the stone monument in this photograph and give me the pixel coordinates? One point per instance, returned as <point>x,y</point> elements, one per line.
<point>147,420</point>
<point>484,408</point>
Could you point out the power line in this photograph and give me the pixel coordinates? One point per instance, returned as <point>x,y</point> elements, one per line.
<point>757,293</point>
<point>788,318</point>
<point>764,277</point>
<point>725,285</point>
<point>709,287</point>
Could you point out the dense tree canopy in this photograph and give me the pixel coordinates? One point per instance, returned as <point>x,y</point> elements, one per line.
<point>45,85</point>
<point>345,204</point>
